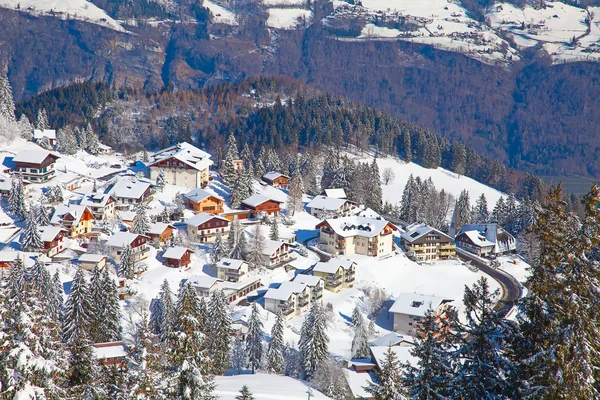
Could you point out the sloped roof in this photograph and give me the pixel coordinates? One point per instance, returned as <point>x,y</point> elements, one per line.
<point>274,175</point>
<point>417,231</point>
<point>158,228</point>
<point>357,226</point>
<point>5,182</point>
<point>230,263</point>
<point>127,215</point>
<point>197,195</point>
<point>416,303</point>
<point>61,210</point>
<point>491,234</point>
<point>203,217</point>
<point>402,354</point>
<point>122,239</point>
<point>128,187</point>
<point>202,281</point>
<point>103,351</point>
<point>285,290</point>
<point>49,233</point>
<point>326,203</point>
<point>175,253</point>
<point>95,199</point>
<point>391,339</point>
<point>335,193</point>
<point>33,154</point>
<point>44,133</point>
<point>328,267</point>
<point>309,280</point>
<point>257,199</point>
<point>186,153</point>
<point>87,257</point>
<point>271,246</point>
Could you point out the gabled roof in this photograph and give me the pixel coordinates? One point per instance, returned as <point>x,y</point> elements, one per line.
<point>158,228</point>
<point>417,231</point>
<point>333,265</point>
<point>274,175</point>
<point>130,187</point>
<point>326,203</point>
<point>203,281</point>
<point>61,211</point>
<point>335,193</point>
<point>5,183</point>
<point>95,199</point>
<point>230,263</point>
<point>197,195</point>
<point>103,351</point>
<point>271,246</point>
<point>403,355</point>
<point>391,339</point>
<point>33,154</point>
<point>175,253</point>
<point>44,133</point>
<point>285,290</point>
<point>357,226</point>
<point>87,257</point>
<point>127,215</point>
<point>257,199</point>
<point>49,233</point>
<point>186,153</point>
<point>203,217</point>
<point>122,239</point>
<point>416,303</point>
<point>490,234</point>
<point>309,280</point>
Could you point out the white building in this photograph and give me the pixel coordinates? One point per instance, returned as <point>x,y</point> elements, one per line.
<point>291,298</point>
<point>276,253</point>
<point>335,193</point>
<point>138,243</point>
<point>35,164</point>
<point>102,205</point>
<point>486,239</point>
<point>130,190</point>
<point>410,308</point>
<point>46,134</point>
<point>229,269</point>
<point>182,164</point>
<point>315,283</point>
<point>205,227</point>
<point>326,207</point>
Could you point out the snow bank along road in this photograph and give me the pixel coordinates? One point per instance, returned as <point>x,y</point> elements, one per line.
<point>511,288</point>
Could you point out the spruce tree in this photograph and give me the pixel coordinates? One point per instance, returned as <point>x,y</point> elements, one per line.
<point>295,192</point>
<point>459,158</point>
<point>42,120</point>
<point>257,245</point>
<point>164,323</point>
<point>245,394</point>
<point>219,332</point>
<point>160,181</point>
<point>31,239</point>
<point>373,188</point>
<point>275,347</point>
<point>82,367</point>
<point>66,142</point>
<point>236,241</point>
<point>313,342</point>
<point>360,345</point>
<point>127,265</point>
<point>274,235</point>
<point>92,142</point>
<point>16,198</point>
<point>463,209</point>
<point>219,249</point>
<point>42,216</point>
<point>389,378</point>
<point>7,103</point>
<point>141,224</point>
<point>229,173</point>
<point>254,338</point>
<point>111,324</point>
<point>499,212</point>
<point>78,312</point>
<point>247,157</point>
<point>480,212</point>
<point>144,363</point>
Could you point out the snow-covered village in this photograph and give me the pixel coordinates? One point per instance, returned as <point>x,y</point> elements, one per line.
<point>188,272</point>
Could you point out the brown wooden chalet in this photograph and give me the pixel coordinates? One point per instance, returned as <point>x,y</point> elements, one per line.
<point>35,165</point>
<point>201,200</point>
<point>177,257</point>
<point>276,179</point>
<point>258,203</point>
<point>205,227</point>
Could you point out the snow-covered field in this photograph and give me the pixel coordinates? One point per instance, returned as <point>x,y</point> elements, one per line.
<point>287,18</point>
<point>220,14</point>
<point>264,387</point>
<point>65,9</point>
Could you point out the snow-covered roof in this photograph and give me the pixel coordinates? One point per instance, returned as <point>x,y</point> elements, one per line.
<point>5,183</point>
<point>197,195</point>
<point>230,263</point>
<point>9,256</point>
<point>95,199</point>
<point>309,280</point>
<point>391,339</point>
<point>326,203</point>
<point>61,210</point>
<point>417,231</point>
<point>265,387</point>
<point>201,218</point>
<point>158,228</point>
<point>271,246</point>
<point>175,253</point>
<point>127,215</point>
<point>239,285</point>
<point>335,193</point>
<point>285,290</point>
<point>402,354</point>
<point>357,382</point>
<point>332,266</point>
<point>103,351</point>
<point>257,199</point>
<point>87,257</point>
<point>32,154</point>
<point>416,303</point>
<point>491,234</point>
<point>44,133</point>
<point>121,239</point>
<point>202,281</point>
<point>272,175</point>
<point>357,226</point>
<point>49,233</point>
<point>130,187</point>
<point>368,213</point>
<point>186,153</point>
<point>102,146</point>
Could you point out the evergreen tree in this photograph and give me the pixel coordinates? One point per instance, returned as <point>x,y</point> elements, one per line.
<point>179,203</point>
<point>66,142</point>
<point>31,239</point>
<point>42,120</point>
<point>16,198</point>
<point>407,146</point>
<point>92,142</point>
<point>459,158</point>
<point>257,245</point>
<point>274,228</point>
<point>42,216</point>
<point>409,203</point>
<point>360,345</point>
<point>219,332</point>
<point>313,340</point>
<point>229,174</point>
<point>219,249</point>
<point>236,241</point>
<point>144,367</point>
<point>141,224</point>
<point>55,298</point>
<point>499,212</point>
<point>247,157</point>
<point>167,310</point>
<point>127,265</point>
<point>463,210</point>
<point>110,325</point>
<point>7,103</point>
<point>480,212</point>
<point>245,394</point>
<point>78,313</point>
<point>433,374</point>
<point>238,355</point>
<point>254,338</point>
<point>273,163</point>
<point>82,369</point>
<point>275,347</point>
<point>390,379</point>
<point>373,188</point>
<point>330,379</point>
<point>160,181</point>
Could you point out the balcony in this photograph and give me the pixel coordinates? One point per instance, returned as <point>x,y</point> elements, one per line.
<point>317,295</point>
<point>334,285</point>
<point>303,303</point>
<point>447,247</point>
<point>234,274</point>
<point>333,279</point>
<point>349,278</point>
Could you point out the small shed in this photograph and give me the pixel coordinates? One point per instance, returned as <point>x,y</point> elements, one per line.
<point>89,261</point>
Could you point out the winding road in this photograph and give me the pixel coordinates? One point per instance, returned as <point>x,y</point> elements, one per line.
<point>511,288</point>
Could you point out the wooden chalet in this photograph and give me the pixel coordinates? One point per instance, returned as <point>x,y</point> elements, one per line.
<point>177,257</point>
<point>258,203</point>
<point>201,200</point>
<point>35,165</point>
<point>276,179</point>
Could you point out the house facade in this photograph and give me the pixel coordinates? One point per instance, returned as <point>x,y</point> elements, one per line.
<point>231,270</point>
<point>291,298</point>
<point>76,219</point>
<point>161,233</point>
<point>276,179</point>
<point>90,261</point>
<point>336,273</point>
<point>276,253</point>
<point>102,205</point>
<point>138,243</point>
<point>315,283</point>
<point>409,310</point>
<point>200,201</point>
<point>45,134</point>
<point>327,207</point>
<point>204,227</point>
<point>130,190</point>
<point>53,239</point>
<point>183,165</point>
<point>177,257</point>
<point>258,203</point>
<point>356,235</point>
<point>424,243</point>
<point>35,165</point>
<point>486,240</point>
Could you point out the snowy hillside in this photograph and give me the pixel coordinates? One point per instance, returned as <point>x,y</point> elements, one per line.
<point>65,9</point>
<point>264,387</point>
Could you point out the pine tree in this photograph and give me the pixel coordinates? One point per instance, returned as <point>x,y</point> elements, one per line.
<point>373,188</point>
<point>141,224</point>
<point>499,212</point>
<point>144,367</point>
<point>407,146</point>
<point>433,374</point>
<point>247,157</point>
<point>275,347</point>
<point>313,340</point>
<point>66,142</point>
<point>219,332</point>
<point>229,173</point>
<point>164,324</point>
<point>274,228</point>
<point>295,192</point>
<point>55,298</point>
<point>459,158</point>
<point>463,209</point>
<point>219,250</point>
<point>179,203</point>
<point>82,368</point>
<point>91,139</point>
<point>390,379</point>
<point>245,394</point>
<point>236,241</point>
<point>16,198</point>
<point>78,312</point>
<point>360,345</point>
<point>257,245</point>
<point>254,338</point>
<point>127,265</point>
<point>42,120</point>
<point>408,205</point>
<point>42,216</point>
<point>7,103</point>
<point>160,181</point>
<point>31,239</point>
<point>329,379</point>
<point>480,212</point>
<point>238,355</point>
<point>111,323</point>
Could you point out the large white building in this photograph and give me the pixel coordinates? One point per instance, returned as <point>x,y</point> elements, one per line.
<point>356,235</point>
<point>182,164</point>
<point>409,309</point>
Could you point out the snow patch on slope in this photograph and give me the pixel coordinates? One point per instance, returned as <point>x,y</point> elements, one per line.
<point>65,9</point>
<point>287,18</point>
<point>221,15</point>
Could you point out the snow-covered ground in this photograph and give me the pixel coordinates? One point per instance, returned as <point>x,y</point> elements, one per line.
<point>287,18</point>
<point>265,387</point>
<point>65,9</point>
<point>220,14</point>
